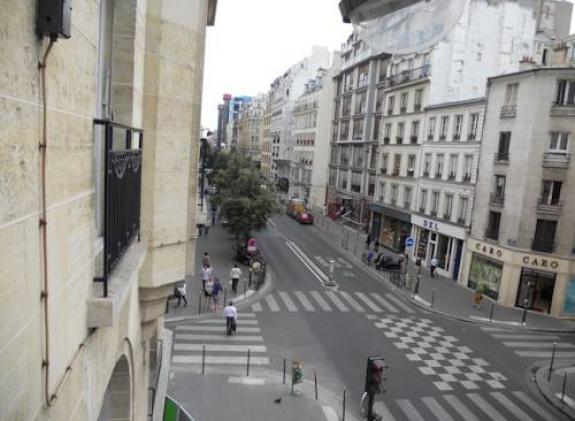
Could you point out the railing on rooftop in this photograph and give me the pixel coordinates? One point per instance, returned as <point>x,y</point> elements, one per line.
<point>409,75</point>
<point>122,192</point>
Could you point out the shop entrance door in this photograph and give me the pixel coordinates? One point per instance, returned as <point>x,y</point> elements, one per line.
<point>536,290</point>
<point>431,248</point>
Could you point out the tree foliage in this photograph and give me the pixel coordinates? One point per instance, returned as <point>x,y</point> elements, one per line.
<point>245,199</point>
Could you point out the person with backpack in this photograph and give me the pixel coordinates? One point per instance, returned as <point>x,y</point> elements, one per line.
<point>216,292</point>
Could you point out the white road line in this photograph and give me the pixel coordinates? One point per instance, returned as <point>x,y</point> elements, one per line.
<point>222,322</point>
<point>272,303</point>
<point>304,301</point>
<point>252,381</point>
<point>498,322</point>
<point>486,407</point>
<point>384,302</point>
<point>544,354</point>
<point>534,407</point>
<point>437,409</point>
<point>246,315</point>
<point>222,337</point>
<point>537,345</point>
<point>368,302</point>
<point>330,413</point>
<point>352,302</point>
<point>307,262</point>
<point>287,301</point>
<point>321,261</point>
<point>214,329</point>
<point>460,408</point>
<point>511,407</point>
<point>398,303</point>
<point>321,302</point>
<point>220,347</point>
<point>256,307</point>
<point>381,409</point>
<point>213,360</point>
<point>241,297</point>
<point>493,329</point>
<point>409,410</point>
<point>566,399</point>
<point>341,306</point>
<point>524,337</point>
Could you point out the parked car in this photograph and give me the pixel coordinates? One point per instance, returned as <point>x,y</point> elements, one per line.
<point>304,218</point>
<point>389,263</point>
<point>295,207</point>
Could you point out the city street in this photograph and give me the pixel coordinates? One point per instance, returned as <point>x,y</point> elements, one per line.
<point>439,369</point>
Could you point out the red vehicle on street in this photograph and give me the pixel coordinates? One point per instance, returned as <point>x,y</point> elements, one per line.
<point>304,218</point>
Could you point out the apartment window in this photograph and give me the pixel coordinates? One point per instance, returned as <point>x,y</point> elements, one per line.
<point>403,102</point>
<point>411,165</point>
<point>332,176</point>
<point>498,189</point>
<point>453,162</point>
<point>565,92</point>
<point>407,194</point>
<point>394,190</point>
<point>382,70</point>
<point>333,157</point>
<point>503,147</point>
<point>427,165</point>
<point>511,94</point>
<point>544,236</point>
<point>550,193</point>
<point>390,104</point>
<point>342,179</point>
<point>417,100</point>
<point>396,164</point>
<point>493,223</point>
<point>346,106</point>
<point>384,161</point>
<point>373,158</point>
<point>356,182</point>
<point>357,160</point>
<point>414,132</point>
<point>363,76</point>
<point>431,128</point>
<point>344,130</point>
<point>473,123</point>
<point>382,187</point>
<point>443,128</point>
<point>387,133</point>
<point>344,155</point>
<point>336,111</point>
<point>559,142</point>
<point>360,103</point>
<point>458,120</point>
<point>358,129</point>
<point>448,206</point>
<point>371,185</point>
<point>463,204</point>
<point>379,99</point>
<point>467,167</point>
<point>439,164</point>
<point>434,203</point>
<point>400,132</point>
<point>376,127</point>
<point>423,201</point>
<point>348,81</point>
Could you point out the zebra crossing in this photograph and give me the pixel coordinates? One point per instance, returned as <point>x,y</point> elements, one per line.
<point>496,406</point>
<point>329,301</point>
<point>338,262</point>
<point>205,341</point>
<point>533,345</point>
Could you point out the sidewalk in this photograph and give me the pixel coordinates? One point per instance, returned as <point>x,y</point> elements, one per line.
<point>559,388</point>
<point>442,295</point>
<point>219,245</point>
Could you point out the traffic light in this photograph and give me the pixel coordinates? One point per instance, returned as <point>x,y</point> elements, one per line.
<point>375,375</point>
<point>296,372</point>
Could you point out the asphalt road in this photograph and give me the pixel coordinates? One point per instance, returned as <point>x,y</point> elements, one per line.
<point>439,369</point>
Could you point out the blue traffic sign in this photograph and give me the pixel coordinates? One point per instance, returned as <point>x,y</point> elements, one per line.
<point>409,242</point>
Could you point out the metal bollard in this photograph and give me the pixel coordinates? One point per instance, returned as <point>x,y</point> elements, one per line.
<point>491,312</point>
<point>432,298</point>
<point>343,409</point>
<point>203,359</point>
<point>552,361</point>
<point>248,364</point>
<point>315,384</point>
<point>564,386</point>
<point>284,377</point>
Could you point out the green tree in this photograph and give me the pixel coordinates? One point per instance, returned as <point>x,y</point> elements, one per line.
<point>245,199</point>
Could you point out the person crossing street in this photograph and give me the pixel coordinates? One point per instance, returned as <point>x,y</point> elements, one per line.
<point>231,315</point>
<point>235,275</point>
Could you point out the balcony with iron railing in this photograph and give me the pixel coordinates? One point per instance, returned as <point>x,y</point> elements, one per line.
<point>408,76</point>
<point>497,199</point>
<point>413,140</point>
<point>466,178</point>
<point>410,172</point>
<point>395,172</point>
<point>451,176</point>
<point>386,140</point>
<point>501,158</point>
<point>556,160</point>
<point>433,212</point>
<point>508,111</point>
<point>421,210</point>
<point>407,204</point>
<point>544,246</point>
<point>447,216</point>
<point>562,109</point>
<point>461,220</point>
<point>402,110</point>
<point>549,205</point>
<point>398,140</point>
<point>417,107</point>
<point>492,234</point>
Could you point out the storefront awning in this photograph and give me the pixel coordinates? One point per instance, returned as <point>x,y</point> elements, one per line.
<point>402,216</point>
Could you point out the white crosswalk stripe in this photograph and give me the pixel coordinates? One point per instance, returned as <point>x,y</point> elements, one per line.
<point>321,261</point>
<point>272,303</point>
<point>368,302</point>
<point>205,342</point>
<point>304,301</point>
<point>287,301</point>
<point>352,302</point>
<point>477,406</point>
<point>345,263</point>
<point>257,307</point>
<point>384,302</point>
<point>319,299</point>
<point>336,301</point>
<point>399,304</point>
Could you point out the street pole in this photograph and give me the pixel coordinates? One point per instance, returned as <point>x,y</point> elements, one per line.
<point>203,142</point>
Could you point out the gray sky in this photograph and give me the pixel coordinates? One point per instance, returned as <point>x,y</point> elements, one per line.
<point>254,41</point>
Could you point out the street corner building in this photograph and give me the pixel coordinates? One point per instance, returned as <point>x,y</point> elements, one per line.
<point>98,168</point>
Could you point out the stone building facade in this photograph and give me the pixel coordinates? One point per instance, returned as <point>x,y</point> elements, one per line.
<point>522,241</point>
<point>123,93</point>
<point>249,128</point>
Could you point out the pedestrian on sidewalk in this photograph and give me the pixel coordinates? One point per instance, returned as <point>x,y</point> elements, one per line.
<point>207,273</point>
<point>368,240</point>
<point>216,292</point>
<point>376,245</point>
<point>208,288</point>
<point>231,315</point>
<point>180,293</point>
<point>433,267</point>
<point>235,275</point>
<point>200,228</point>
<point>207,227</point>
<point>206,259</point>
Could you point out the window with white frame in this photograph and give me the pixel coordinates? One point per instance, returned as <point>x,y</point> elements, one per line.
<point>551,193</point>
<point>511,94</point>
<point>463,204</point>
<point>431,128</point>
<point>447,206</point>
<point>565,92</point>
<point>394,189</point>
<point>400,131</point>
<point>559,143</point>
<point>473,123</point>
<point>417,100</point>
<point>384,163</point>
<point>439,165</point>
<point>387,131</point>
<point>423,201</point>
<point>434,202</point>
<point>407,194</point>
<point>443,128</point>
<point>427,165</point>
<point>411,165</point>
<point>453,162</point>
<point>390,104</point>
<point>457,121</point>
<point>403,102</point>
<point>467,167</point>
<point>382,187</point>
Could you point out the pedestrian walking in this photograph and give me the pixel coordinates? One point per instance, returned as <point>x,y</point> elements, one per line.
<point>216,292</point>
<point>376,245</point>
<point>418,265</point>
<point>200,228</point>
<point>206,272</point>
<point>207,227</point>
<point>208,288</point>
<point>231,315</point>
<point>235,275</point>
<point>180,294</point>
<point>206,259</point>
<point>433,267</point>
<point>368,240</point>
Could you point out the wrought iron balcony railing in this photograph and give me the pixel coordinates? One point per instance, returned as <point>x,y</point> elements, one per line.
<point>122,192</point>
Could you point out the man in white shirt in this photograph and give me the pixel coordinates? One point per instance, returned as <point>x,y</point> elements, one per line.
<point>206,274</point>
<point>433,267</point>
<point>231,315</point>
<point>235,275</point>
